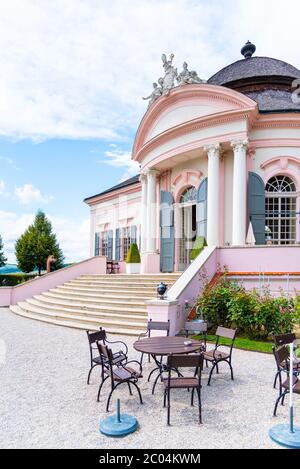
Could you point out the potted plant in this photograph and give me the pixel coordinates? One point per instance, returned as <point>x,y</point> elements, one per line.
<point>133,260</point>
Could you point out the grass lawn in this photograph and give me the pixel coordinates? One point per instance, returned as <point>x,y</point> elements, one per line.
<point>245,344</point>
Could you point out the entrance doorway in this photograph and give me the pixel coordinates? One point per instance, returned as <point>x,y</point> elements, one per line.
<point>188,224</point>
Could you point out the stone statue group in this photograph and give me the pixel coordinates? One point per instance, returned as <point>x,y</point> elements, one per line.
<point>166,84</point>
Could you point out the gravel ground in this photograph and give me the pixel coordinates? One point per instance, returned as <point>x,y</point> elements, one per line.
<point>45,402</point>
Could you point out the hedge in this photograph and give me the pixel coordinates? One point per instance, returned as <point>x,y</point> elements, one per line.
<point>10,280</point>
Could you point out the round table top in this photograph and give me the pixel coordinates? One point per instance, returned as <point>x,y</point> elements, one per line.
<point>167,346</point>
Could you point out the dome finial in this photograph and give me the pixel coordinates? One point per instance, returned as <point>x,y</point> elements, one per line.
<point>248,50</point>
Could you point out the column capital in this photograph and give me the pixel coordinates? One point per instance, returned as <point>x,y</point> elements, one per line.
<point>213,150</point>
<point>152,173</point>
<point>143,178</point>
<point>239,145</point>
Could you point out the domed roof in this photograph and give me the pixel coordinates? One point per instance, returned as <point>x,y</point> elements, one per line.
<point>254,67</point>
<point>266,80</point>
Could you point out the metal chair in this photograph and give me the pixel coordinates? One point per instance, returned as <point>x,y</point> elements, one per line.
<point>279,341</point>
<point>191,383</point>
<point>118,374</point>
<point>154,326</point>
<point>101,336</point>
<point>196,328</point>
<point>215,357</point>
<point>282,357</point>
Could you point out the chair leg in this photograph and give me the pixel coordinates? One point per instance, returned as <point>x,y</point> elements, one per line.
<point>153,371</point>
<point>142,358</point>
<point>277,403</point>
<point>90,372</point>
<point>165,398</point>
<point>169,407</point>
<point>155,383</point>
<point>192,398</point>
<point>130,392</point>
<point>200,405</point>
<point>100,388</point>
<point>275,380</point>
<point>231,370</point>
<point>211,373</point>
<point>217,368</point>
<point>138,390</point>
<point>109,399</point>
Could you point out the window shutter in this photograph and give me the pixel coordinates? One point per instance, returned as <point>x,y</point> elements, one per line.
<point>167,240</point>
<point>118,244</point>
<point>97,244</point>
<point>257,207</point>
<point>202,209</point>
<point>110,245</point>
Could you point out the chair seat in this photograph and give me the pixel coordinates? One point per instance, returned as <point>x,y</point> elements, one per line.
<point>212,356</point>
<point>296,365</point>
<point>296,388</point>
<point>118,357</point>
<point>123,374</point>
<point>181,383</point>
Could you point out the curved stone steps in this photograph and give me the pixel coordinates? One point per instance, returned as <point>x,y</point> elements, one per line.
<point>114,302</point>
<point>60,321</point>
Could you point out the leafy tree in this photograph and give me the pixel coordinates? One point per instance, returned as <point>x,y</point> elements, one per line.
<point>3,259</point>
<point>36,244</point>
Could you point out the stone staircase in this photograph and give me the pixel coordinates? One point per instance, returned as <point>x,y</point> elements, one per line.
<point>114,302</point>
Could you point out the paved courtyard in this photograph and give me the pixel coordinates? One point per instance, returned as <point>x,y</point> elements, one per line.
<point>45,402</point>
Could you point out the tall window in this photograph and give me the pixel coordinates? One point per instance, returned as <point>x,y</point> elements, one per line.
<point>129,236</point>
<point>281,208</point>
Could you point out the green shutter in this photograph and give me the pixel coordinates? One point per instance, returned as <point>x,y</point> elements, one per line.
<point>257,207</point>
<point>97,244</point>
<point>110,245</point>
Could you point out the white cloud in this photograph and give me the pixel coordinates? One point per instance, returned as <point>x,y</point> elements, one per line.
<point>2,186</point>
<point>79,69</point>
<point>28,194</point>
<point>119,158</point>
<point>73,235</point>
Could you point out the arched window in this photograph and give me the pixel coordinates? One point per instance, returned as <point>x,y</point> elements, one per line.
<point>189,196</point>
<point>281,203</point>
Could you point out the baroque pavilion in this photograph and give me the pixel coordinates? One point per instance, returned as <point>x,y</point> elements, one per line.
<point>219,159</point>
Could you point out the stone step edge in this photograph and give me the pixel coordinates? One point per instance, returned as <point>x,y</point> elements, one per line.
<point>17,310</point>
<point>72,298</point>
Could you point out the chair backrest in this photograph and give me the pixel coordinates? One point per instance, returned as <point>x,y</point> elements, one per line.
<point>196,326</point>
<point>98,336</point>
<point>185,361</point>
<point>284,339</point>
<point>226,333</point>
<point>158,326</point>
<point>281,355</point>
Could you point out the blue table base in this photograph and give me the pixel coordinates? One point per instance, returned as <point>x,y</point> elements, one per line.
<point>114,427</point>
<point>282,435</point>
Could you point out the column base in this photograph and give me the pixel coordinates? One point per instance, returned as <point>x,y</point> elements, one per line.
<point>163,311</point>
<point>150,263</point>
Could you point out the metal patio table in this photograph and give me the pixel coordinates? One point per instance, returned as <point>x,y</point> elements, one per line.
<point>159,347</point>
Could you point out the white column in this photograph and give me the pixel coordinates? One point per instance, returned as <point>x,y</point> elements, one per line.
<point>143,180</point>
<point>213,194</point>
<point>151,210</point>
<point>239,212</point>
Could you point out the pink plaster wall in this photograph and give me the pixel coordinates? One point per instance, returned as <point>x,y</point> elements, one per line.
<point>11,296</point>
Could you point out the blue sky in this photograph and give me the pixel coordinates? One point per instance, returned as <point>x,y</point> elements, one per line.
<point>72,76</point>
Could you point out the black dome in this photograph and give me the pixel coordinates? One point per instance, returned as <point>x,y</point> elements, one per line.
<point>255,67</point>
<point>265,80</point>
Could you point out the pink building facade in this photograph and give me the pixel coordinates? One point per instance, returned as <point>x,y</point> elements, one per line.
<point>219,160</point>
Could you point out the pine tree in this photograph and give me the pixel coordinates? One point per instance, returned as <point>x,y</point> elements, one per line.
<point>36,244</point>
<point>3,259</point>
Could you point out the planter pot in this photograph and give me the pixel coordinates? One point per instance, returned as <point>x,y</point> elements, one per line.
<point>133,268</point>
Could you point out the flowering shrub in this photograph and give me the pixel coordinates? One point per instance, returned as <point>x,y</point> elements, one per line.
<point>257,315</point>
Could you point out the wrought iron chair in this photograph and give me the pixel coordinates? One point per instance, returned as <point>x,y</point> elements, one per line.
<point>101,336</point>
<point>196,328</point>
<point>282,357</point>
<point>279,341</point>
<point>154,326</point>
<point>191,383</point>
<point>118,374</point>
<point>215,356</point>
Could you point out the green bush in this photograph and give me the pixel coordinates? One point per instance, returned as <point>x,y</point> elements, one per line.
<point>133,256</point>
<point>11,280</point>
<point>199,245</point>
<point>215,301</point>
<point>256,315</point>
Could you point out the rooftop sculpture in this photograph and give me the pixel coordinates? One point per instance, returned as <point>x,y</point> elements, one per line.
<point>167,83</point>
